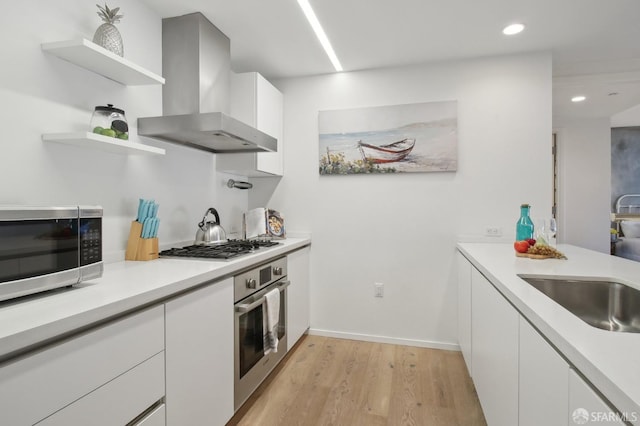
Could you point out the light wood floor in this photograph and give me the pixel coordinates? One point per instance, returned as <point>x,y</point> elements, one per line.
<point>326,381</point>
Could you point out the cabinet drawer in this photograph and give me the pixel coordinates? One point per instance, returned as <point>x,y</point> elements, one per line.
<point>587,407</point>
<point>39,384</point>
<point>156,418</point>
<point>117,402</point>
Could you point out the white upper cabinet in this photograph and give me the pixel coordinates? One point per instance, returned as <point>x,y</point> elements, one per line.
<point>258,103</point>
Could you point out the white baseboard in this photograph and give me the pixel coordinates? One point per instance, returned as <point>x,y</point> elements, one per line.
<point>385,339</point>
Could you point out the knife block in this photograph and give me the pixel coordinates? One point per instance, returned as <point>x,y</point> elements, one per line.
<point>139,248</point>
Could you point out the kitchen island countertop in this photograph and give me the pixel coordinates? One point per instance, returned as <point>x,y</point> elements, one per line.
<point>29,322</point>
<point>610,360</point>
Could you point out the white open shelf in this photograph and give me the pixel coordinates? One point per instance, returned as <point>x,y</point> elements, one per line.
<point>105,143</point>
<point>95,58</point>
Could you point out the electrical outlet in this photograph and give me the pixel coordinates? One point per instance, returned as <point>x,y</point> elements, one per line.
<point>492,231</point>
<point>378,290</point>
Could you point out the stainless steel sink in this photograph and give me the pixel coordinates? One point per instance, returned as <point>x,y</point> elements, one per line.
<point>607,305</point>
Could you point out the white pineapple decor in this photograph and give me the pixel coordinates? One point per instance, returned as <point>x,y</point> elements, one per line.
<point>107,35</point>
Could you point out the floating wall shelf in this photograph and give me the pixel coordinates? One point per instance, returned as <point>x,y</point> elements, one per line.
<point>105,143</point>
<point>89,55</point>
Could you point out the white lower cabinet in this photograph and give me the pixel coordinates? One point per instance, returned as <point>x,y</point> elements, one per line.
<point>586,407</point>
<point>119,401</point>
<point>105,376</point>
<point>464,308</point>
<point>298,297</point>
<point>520,378</point>
<point>199,356</point>
<point>494,327</point>
<point>544,381</point>
<point>157,417</point>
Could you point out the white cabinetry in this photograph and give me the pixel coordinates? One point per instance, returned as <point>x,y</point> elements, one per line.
<point>118,401</point>
<point>544,381</point>
<point>154,418</point>
<point>297,295</point>
<point>464,308</point>
<point>521,379</point>
<point>495,352</point>
<point>258,103</point>
<point>199,356</point>
<point>586,407</point>
<point>107,375</point>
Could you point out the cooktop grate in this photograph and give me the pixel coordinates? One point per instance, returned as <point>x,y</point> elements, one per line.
<point>227,250</point>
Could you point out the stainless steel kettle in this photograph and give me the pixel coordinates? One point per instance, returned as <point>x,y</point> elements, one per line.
<point>210,232</point>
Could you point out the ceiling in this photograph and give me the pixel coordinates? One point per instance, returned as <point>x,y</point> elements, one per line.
<point>595,43</point>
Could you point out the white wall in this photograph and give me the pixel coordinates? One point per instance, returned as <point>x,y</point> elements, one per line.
<point>43,94</point>
<point>627,118</point>
<point>584,183</point>
<point>401,230</point>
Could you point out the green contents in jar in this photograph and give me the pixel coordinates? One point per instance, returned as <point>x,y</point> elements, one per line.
<point>110,121</point>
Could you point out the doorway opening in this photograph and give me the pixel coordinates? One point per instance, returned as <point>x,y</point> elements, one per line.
<point>554,154</point>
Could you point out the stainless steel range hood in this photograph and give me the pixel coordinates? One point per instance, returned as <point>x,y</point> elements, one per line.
<point>196,62</point>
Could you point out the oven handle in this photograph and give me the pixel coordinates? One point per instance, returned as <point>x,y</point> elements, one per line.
<point>246,308</point>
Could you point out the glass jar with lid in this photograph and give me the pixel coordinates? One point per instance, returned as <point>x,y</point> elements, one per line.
<point>110,121</point>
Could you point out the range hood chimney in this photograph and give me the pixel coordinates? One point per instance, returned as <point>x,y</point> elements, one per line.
<point>196,63</point>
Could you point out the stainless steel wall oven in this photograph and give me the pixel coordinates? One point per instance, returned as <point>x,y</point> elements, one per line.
<point>251,364</point>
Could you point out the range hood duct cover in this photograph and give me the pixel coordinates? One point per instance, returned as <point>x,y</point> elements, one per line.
<point>196,63</point>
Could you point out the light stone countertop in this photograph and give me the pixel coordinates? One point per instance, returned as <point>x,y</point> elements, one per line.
<point>610,360</point>
<point>125,286</point>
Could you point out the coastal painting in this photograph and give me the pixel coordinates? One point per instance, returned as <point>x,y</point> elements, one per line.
<point>407,138</point>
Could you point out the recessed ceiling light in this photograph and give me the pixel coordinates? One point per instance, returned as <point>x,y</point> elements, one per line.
<point>578,98</point>
<point>317,28</point>
<point>513,29</point>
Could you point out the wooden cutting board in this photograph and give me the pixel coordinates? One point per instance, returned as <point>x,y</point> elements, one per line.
<point>534,256</point>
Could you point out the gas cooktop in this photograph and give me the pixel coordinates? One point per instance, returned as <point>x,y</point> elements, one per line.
<point>228,250</point>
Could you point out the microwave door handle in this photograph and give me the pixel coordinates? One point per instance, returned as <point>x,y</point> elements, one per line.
<point>248,307</point>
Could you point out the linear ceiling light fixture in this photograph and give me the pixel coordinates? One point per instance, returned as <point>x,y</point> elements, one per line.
<point>317,28</point>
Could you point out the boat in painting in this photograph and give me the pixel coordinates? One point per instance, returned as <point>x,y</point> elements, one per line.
<point>389,153</point>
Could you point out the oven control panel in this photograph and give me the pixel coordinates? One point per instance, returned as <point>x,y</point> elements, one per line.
<point>254,279</point>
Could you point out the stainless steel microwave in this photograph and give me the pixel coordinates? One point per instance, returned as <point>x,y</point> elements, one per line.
<point>42,248</point>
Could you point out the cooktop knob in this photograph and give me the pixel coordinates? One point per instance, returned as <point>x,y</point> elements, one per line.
<point>277,270</point>
<point>251,283</point>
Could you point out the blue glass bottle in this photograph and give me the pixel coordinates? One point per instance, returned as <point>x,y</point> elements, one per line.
<point>524,226</point>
